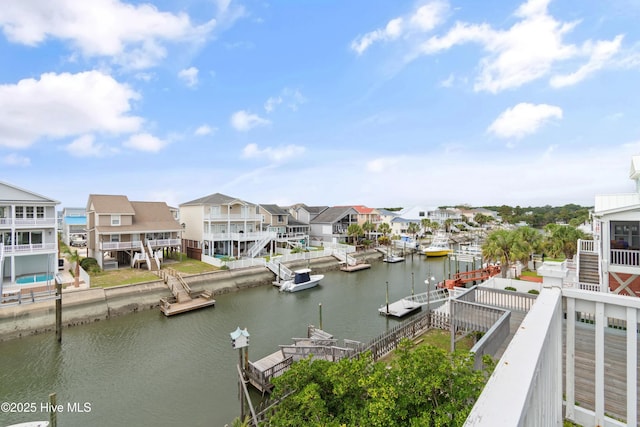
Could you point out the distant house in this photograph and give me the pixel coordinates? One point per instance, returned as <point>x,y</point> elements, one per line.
<point>305,214</point>
<point>290,233</point>
<point>28,236</point>
<point>331,225</point>
<point>122,232</point>
<point>218,225</point>
<point>74,226</point>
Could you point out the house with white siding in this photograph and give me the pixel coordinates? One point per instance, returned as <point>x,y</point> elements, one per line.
<point>28,236</point>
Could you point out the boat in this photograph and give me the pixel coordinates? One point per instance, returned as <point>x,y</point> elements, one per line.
<point>393,258</point>
<point>301,280</point>
<point>439,246</point>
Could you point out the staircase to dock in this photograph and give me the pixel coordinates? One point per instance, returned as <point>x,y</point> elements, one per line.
<point>281,271</point>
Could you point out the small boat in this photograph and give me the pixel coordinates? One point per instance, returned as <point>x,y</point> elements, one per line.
<point>301,280</point>
<point>393,258</point>
<point>438,247</point>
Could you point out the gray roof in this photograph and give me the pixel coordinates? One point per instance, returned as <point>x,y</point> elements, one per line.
<point>215,199</point>
<point>11,193</point>
<point>274,209</point>
<point>386,212</point>
<point>333,214</point>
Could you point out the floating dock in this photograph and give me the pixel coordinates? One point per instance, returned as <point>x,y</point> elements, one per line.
<point>355,267</point>
<point>399,308</point>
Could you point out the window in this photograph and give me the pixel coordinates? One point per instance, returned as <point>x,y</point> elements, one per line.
<point>40,212</point>
<point>115,220</point>
<point>280,218</point>
<point>19,211</point>
<point>421,213</point>
<point>36,237</point>
<point>115,238</point>
<point>29,211</point>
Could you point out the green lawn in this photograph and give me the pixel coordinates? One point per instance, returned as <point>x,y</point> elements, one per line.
<point>128,276</point>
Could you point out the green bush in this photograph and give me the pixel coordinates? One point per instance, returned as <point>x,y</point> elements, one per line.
<point>534,291</point>
<point>90,265</point>
<point>509,288</point>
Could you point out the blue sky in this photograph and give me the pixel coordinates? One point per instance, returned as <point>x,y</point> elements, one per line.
<point>332,102</point>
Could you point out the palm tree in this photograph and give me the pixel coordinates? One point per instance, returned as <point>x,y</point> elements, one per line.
<point>426,224</point>
<point>74,257</point>
<point>414,229</point>
<point>368,227</point>
<point>354,231</point>
<point>504,246</point>
<point>562,240</point>
<point>530,240</point>
<point>447,224</point>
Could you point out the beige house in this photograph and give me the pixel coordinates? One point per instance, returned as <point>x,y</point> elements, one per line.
<point>125,233</point>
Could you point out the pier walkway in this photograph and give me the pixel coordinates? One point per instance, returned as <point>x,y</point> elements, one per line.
<point>184,299</point>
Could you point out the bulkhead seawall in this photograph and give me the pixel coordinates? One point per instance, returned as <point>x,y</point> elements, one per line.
<point>95,304</point>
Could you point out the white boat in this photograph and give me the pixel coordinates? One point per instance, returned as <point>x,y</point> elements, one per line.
<point>439,246</point>
<point>393,258</point>
<point>301,280</point>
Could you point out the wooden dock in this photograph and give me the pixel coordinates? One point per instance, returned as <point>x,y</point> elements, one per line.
<point>184,299</point>
<point>318,345</point>
<point>171,306</point>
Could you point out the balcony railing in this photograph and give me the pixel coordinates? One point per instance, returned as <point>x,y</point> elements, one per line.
<point>242,237</point>
<point>118,246</point>
<point>29,249</point>
<point>627,257</point>
<point>21,222</point>
<point>535,358</point>
<point>235,217</point>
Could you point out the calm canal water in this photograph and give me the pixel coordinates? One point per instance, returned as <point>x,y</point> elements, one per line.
<point>144,369</point>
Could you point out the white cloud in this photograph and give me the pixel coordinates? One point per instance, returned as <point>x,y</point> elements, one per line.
<point>276,154</point>
<point>63,105</point>
<point>383,164</point>
<point>448,82</point>
<point>189,76</point>
<point>527,51</point>
<point>423,19</point>
<point>16,160</point>
<point>523,119</point>
<point>204,130</point>
<point>292,98</point>
<point>133,35</point>
<point>599,55</point>
<point>85,146</point>
<point>145,142</point>
<point>271,103</point>
<point>244,121</point>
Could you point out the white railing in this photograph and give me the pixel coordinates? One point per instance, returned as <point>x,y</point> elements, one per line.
<point>31,248</point>
<point>244,263</point>
<point>235,217</point>
<point>40,222</point>
<point>258,245</point>
<point>587,246</point>
<point>233,236</point>
<point>535,358</point>
<point>280,270</point>
<point>160,243</point>
<point>625,257</point>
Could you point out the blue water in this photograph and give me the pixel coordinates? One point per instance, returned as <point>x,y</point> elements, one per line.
<point>34,279</point>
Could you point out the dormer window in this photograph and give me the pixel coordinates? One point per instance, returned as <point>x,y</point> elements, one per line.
<point>115,220</point>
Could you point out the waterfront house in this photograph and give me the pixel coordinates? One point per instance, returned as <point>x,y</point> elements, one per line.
<point>331,225</point>
<point>74,226</point>
<point>218,225</point>
<point>28,235</point>
<point>128,233</point>
<point>305,214</point>
<point>290,233</point>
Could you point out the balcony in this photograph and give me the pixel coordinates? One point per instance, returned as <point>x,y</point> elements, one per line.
<point>121,246</point>
<point>34,248</point>
<point>239,237</point>
<point>575,335</point>
<point>234,217</point>
<point>27,222</point>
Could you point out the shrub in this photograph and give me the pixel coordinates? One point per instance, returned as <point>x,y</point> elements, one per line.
<point>534,291</point>
<point>90,265</point>
<point>509,288</point>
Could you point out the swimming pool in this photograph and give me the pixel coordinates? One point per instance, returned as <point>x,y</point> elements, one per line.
<point>34,279</point>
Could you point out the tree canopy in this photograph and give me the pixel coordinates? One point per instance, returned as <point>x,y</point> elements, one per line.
<point>425,386</point>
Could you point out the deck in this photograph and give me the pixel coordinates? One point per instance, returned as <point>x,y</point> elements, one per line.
<point>399,308</point>
<point>170,308</point>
